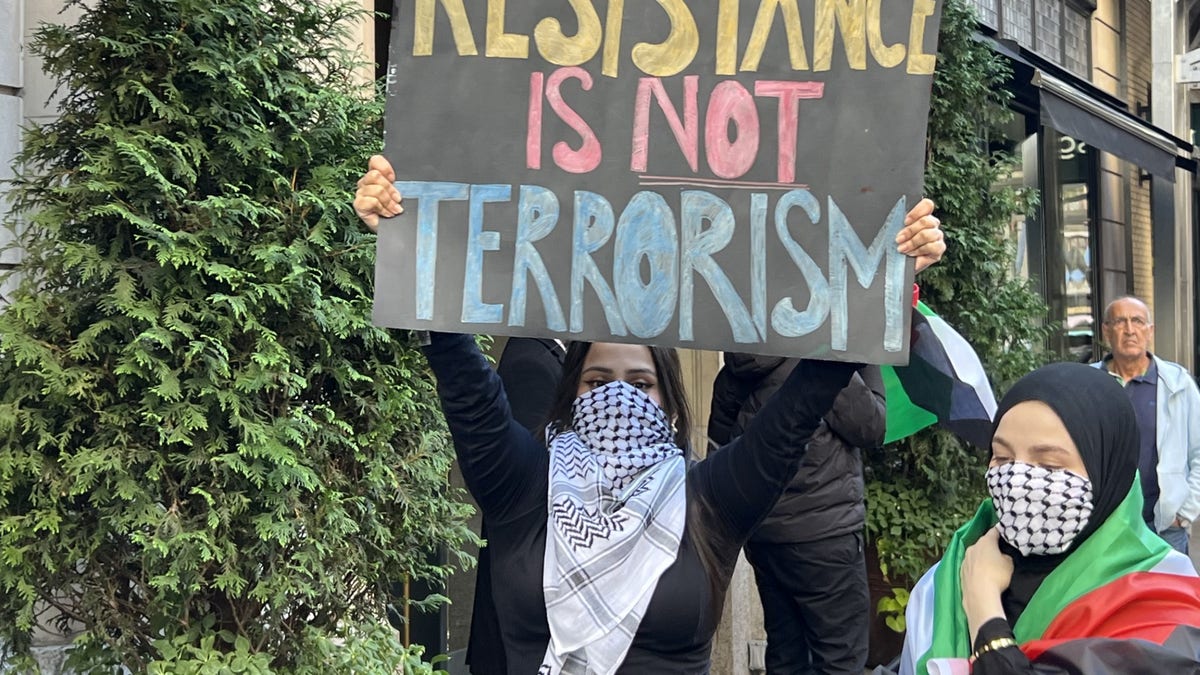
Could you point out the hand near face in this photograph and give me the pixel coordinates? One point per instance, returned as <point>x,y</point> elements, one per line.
<point>922,237</point>
<point>985,574</point>
<point>377,196</point>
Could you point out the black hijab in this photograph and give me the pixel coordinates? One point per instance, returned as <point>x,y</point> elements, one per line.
<point>1100,419</point>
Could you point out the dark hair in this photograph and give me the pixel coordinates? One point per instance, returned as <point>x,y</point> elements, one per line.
<point>670,383</point>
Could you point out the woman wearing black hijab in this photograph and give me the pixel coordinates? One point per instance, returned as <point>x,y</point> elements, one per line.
<point>1057,572</point>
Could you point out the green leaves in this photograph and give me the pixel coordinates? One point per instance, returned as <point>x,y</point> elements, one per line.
<point>209,457</point>
<point>920,490</point>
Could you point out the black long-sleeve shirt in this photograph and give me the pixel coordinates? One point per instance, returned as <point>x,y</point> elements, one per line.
<point>506,470</point>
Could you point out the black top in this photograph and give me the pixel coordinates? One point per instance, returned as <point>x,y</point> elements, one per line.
<point>530,369</point>
<point>825,499</point>
<point>506,470</point>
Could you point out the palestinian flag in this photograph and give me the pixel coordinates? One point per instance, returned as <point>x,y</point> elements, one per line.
<point>943,383</point>
<point>1123,597</point>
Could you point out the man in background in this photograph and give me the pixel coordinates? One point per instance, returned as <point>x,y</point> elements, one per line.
<point>1167,403</point>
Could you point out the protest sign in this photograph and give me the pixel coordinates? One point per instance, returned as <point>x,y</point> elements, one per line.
<point>707,174</point>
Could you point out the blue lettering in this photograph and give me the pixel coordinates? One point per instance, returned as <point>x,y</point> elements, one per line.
<point>698,246</point>
<point>845,247</point>
<point>428,196</point>
<point>593,227</point>
<point>758,262</point>
<point>646,230</point>
<point>474,309</point>
<point>784,318</point>
<point>537,214</point>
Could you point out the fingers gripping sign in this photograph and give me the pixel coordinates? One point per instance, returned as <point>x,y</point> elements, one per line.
<point>377,196</point>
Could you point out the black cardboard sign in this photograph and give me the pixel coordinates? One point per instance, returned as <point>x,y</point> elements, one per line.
<point>706,174</point>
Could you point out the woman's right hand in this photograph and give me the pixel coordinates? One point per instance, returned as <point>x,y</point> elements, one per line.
<point>377,196</point>
<point>984,575</point>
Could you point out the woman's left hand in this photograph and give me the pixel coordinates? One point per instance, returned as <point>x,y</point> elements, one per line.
<point>922,237</point>
<point>984,575</point>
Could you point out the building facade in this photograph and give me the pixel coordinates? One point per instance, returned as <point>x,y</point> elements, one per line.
<point>1114,216</point>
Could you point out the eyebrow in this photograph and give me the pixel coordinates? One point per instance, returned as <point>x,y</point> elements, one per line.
<point>1050,449</point>
<point>1041,449</point>
<point>609,371</point>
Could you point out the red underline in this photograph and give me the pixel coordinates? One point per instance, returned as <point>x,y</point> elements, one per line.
<point>718,182</point>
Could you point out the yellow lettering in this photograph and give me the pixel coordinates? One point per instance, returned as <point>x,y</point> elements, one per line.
<point>850,17</point>
<point>612,37</point>
<point>920,63</point>
<point>676,52</point>
<point>500,44</point>
<point>762,28</point>
<point>577,49</point>
<point>727,37</point>
<point>464,40</point>
<point>888,56</point>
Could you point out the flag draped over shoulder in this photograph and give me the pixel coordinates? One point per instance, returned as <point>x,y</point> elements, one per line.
<point>943,383</point>
<point>1123,582</point>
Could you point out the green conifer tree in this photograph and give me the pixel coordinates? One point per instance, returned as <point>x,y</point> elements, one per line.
<point>207,451</point>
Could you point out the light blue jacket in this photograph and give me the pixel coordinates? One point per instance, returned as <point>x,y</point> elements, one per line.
<point>1178,440</point>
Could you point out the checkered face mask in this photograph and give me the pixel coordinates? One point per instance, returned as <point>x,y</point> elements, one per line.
<point>1041,511</point>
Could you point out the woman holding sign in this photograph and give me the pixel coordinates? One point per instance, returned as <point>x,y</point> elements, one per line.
<point>610,553</point>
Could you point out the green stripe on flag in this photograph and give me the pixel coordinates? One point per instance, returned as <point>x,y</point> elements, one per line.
<point>904,418</point>
<point>1122,545</point>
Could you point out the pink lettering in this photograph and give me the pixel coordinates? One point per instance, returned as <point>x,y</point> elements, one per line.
<point>533,135</point>
<point>731,102</point>
<point>686,131</point>
<point>788,93</point>
<point>588,156</point>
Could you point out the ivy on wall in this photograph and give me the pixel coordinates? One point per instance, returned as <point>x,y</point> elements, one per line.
<point>920,490</point>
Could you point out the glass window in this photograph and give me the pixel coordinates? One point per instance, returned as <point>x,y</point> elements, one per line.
<point>1018,21</point>
<point>1049,30</point>
<point>1076,310</point>
<point>987,12</point>
<point>1075,42</point>
<point>1057,30</point>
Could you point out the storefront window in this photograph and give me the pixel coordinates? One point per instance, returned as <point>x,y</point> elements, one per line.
<point>1058,30</point>
<point>1076,311</point>
<point>1024,175</point>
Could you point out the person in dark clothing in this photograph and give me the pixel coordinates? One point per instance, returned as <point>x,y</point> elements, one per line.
<point>529,369</point>
<point>807,554</point>
<point>615,553</point>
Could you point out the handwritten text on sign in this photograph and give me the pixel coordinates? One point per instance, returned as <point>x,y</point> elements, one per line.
<point>714,174</point>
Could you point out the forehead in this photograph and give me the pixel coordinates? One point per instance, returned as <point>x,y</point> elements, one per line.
<point>1031,430</point>
<point>619,357</point>
<point>1128,307</point>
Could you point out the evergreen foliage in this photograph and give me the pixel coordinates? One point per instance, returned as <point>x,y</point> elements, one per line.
<point>209,456</point>
<point>920,490</point>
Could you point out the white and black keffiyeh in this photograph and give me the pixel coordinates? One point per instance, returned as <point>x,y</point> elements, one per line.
<point>1041,511</point>
<point>616,515</point>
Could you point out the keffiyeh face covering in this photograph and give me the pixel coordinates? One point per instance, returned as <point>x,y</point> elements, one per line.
<point>1041,511</point>
<point>616,516</point>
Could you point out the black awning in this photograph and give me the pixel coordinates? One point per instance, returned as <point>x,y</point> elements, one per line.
<point>1080,110</point>
<point>1097,132</point>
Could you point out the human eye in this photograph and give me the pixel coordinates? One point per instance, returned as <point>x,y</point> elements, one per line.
<point>643,385</point>
<point>596,382</point>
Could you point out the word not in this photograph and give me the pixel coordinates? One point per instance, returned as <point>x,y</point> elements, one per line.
<point>856,22</point>
<point>677,250</point>
<point>730,105</point>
